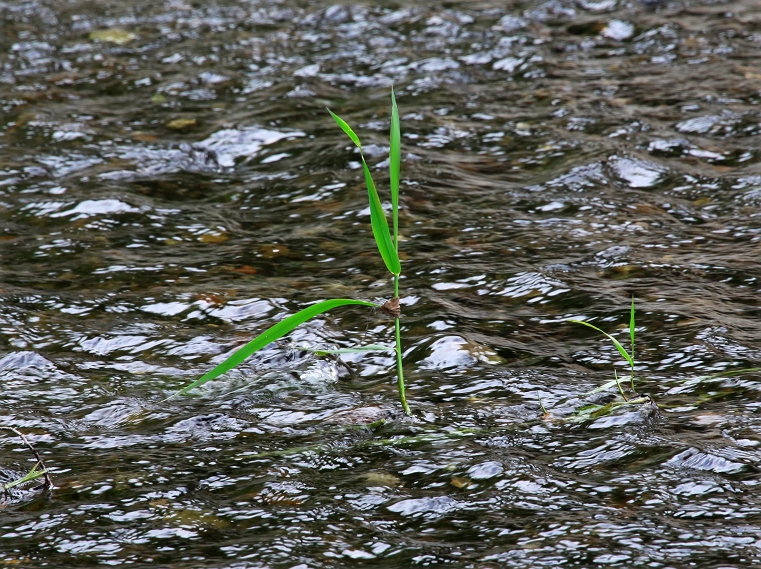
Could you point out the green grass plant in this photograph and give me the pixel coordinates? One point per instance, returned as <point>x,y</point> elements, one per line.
<point>39,470</point>
<point>388,248</point>
<point>35,473</point>
<point>628,356</point>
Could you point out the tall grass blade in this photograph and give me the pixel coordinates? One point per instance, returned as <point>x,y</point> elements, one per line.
<point>380,225</point>
<point>395,165</point>
<point>270,335</point>
<point>616,343</point>
<point>346,128</point>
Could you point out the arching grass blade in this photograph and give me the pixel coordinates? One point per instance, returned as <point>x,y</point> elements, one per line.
<point>395,160</point>
<point>380,225</point>
<point>346,128</point>
<point>270,335</point>
<point>616,343</point>
<point>377,215</point>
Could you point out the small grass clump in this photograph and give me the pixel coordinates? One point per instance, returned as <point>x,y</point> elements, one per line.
<point>39,470</point>
<point>628,356</point>
<point>595,410</point>
<point>388,247</point>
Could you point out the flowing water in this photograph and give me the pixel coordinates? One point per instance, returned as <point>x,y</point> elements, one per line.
<point>171,185</point>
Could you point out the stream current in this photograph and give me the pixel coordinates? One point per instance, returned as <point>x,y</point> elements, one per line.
<point>171,185</point>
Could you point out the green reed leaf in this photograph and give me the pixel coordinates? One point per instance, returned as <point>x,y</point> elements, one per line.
<point>355,350</point>
<point>346,128</point>
<point>380,225</point>
<point>395,160</point>
<point>616,343</point>
<point>270,335</point>
<point>377,215</point>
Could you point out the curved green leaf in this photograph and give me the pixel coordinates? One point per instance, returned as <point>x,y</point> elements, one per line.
<point>394,165</point>
<point>346,128</point>
<point>380,226</point>
<point>270,335</point>
<point>616,343</point>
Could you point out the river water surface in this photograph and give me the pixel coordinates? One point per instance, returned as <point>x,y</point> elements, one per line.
<point>171,185</point>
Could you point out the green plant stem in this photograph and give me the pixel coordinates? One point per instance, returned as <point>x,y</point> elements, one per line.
<point>541,405</point>
<point>399,372</point>
<point>631,335</point>
<point>621,389</point>
<point>399,367</point>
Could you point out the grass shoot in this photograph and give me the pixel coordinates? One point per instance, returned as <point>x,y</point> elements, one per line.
<point>39,470</point>
<point>35,473</point>
<point>628,356</point>
<point>388,248</point>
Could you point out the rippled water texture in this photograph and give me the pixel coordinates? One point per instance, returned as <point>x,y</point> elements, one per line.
<point>171,185</point>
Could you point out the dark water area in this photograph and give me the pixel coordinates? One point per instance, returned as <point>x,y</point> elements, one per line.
<point>171,185</point>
